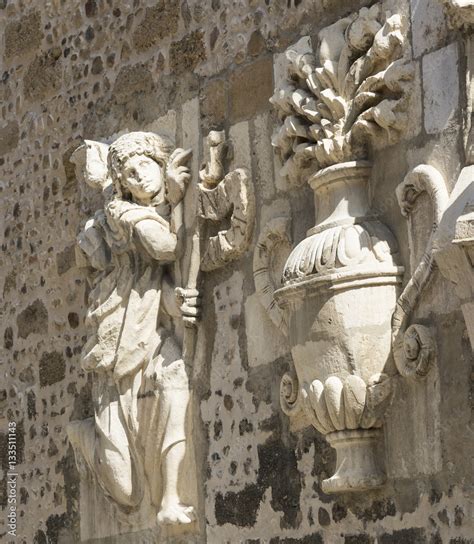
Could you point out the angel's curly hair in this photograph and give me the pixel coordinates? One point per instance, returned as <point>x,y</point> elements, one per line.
<point>149,144</point>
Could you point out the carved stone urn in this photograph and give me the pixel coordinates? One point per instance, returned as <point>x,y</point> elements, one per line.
<point>340,288</point>
<point>348,328</point>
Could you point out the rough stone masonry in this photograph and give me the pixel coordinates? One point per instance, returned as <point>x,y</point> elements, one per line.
<point>237,271</point>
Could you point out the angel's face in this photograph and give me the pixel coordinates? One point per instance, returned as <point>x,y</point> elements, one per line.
<point>143,178</point>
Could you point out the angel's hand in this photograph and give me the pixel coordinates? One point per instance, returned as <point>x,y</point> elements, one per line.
<point>178,174</point>
<point>189,301</point>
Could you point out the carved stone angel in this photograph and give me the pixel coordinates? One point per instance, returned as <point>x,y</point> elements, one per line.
<point>139,441</point>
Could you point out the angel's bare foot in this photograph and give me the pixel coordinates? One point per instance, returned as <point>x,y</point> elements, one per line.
<point>175,513</point>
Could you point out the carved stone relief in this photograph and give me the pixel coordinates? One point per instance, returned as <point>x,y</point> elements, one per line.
<point>454,244</point>
<point>341,284</point>
<point>353,93</point>
<point>138,446</point>
<point>414,345</point>
<point>143,309</point>
<point>274,239</point>
<point>225,197</point>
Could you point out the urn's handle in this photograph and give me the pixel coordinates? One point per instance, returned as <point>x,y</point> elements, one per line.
<point>414,348</point>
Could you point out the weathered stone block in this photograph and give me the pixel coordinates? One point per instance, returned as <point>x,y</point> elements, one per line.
<point>186,54</point>
<point>130,80</point>
<point>66,259</point>
<point>256,44</point>
<point>213,103</point>
<point>441,88</point>
<point>250,90</point>
<point>90,8</point>
<point>428,25</point>
<point>9,135</point>
<point>33,320</point>
<point>44,75</point>
<point>358,539</point>
<point>159,21</point>
<point>23,35</point>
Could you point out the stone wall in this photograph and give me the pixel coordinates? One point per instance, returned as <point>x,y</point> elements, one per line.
<point>96,69</point>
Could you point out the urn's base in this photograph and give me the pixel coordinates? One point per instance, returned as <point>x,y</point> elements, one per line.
<point>359,463</point>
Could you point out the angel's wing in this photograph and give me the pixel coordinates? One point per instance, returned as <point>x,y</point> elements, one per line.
<point>90,160</point>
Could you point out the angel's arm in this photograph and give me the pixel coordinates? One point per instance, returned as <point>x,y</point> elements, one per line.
<point>158,241</point>
<point>93,247</point>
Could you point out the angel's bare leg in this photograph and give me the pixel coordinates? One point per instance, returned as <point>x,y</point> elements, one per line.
<point>172,511</point>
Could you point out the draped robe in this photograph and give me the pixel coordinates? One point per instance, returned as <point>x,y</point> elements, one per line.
<point>141,389</point>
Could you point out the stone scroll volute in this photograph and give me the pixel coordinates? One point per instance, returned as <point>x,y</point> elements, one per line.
<point>414,346</point>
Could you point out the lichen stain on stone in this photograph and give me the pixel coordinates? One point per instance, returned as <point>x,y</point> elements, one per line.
<point>8,338</point>
<point>379,509</point>
<point>56,527</point>
<point>277,471</point>
<point>67,467</point>
<point>315,538</point>
<point>239,508</point>
<point>413,536</point>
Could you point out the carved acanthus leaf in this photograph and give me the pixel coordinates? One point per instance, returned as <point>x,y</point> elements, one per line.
<point>356,91</point>
<point>347,402</point>
<point>341,246</point>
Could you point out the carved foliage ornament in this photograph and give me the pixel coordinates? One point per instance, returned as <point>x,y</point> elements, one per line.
<point>355,90</point>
